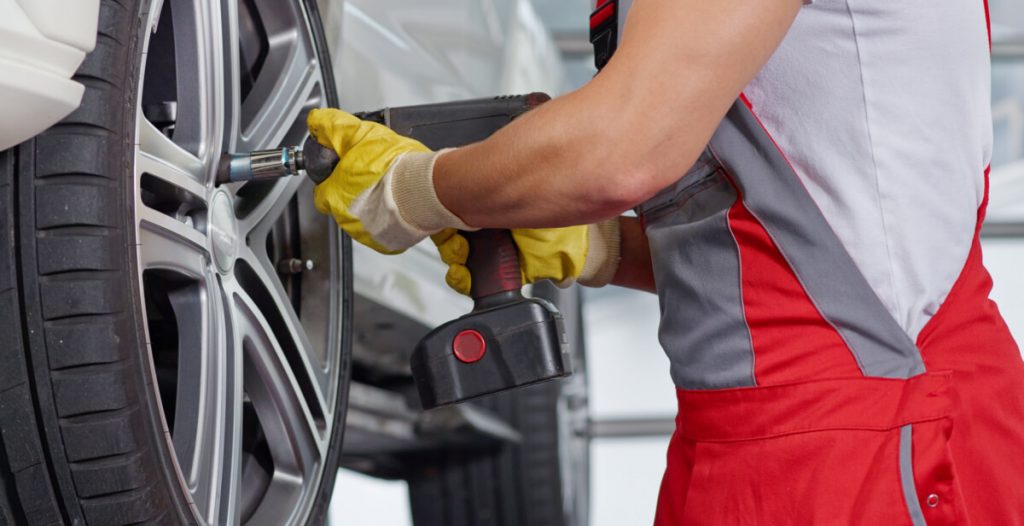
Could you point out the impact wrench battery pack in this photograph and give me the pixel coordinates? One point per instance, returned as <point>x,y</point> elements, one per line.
<point>491,350</point>
<point>508,340</point>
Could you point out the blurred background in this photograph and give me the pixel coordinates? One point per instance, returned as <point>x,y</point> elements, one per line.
<point>523,45</point>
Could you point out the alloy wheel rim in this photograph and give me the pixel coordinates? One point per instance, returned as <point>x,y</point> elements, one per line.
<point>244,361</point>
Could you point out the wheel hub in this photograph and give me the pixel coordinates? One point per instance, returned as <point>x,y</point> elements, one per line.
<point>223,231</point>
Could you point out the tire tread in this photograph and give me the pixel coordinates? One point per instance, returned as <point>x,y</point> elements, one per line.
<point>511,486</point>
<point>27,492</point>
<point>72,389</point>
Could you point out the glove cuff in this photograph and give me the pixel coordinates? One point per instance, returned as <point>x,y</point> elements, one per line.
<point>412,185</point>
<point>604,252</point>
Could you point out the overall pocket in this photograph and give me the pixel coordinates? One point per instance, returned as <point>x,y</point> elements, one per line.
<point>832,452</point>
<point>705,174</point>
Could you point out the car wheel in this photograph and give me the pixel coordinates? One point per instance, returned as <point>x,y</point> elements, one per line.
<point>174,352</point>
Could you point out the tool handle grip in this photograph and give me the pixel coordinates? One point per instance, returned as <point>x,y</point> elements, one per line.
<point>493,266</point>
<point>319,160</point>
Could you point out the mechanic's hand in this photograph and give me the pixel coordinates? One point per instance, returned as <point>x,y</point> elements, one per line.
<point>588,254</point>
<point>382,190</point>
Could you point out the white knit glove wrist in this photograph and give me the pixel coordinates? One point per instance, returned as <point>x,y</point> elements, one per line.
<point>403,209</point>
<point>412,184</point>
<point>604,252</point>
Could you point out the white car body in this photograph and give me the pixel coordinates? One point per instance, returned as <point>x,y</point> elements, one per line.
<point>396,53</point>
<point>43,44</point>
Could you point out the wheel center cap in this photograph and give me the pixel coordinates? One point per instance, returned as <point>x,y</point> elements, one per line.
<point>223,232</point>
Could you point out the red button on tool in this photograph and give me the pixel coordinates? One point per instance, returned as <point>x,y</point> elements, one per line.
<point>469,346</point>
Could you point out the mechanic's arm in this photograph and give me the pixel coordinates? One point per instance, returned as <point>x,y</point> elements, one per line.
<point>578,160</point>
<point>631,131</point>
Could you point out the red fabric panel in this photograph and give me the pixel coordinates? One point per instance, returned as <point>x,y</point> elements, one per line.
<point>822,452</point>
<point>746,102</point>
<point>988,22</point>
<point>676,483</point>
<point>825,477</point>
<point>602,15</point>
<point>969,337</point>
<point>791,340</point>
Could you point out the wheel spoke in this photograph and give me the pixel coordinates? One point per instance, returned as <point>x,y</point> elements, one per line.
<point>199,67</point>
<point>231,464</point>
<point>276,305</point>
<point>206,434</point>
<point>288,85</point>
<point>295,95</point>
<point>286,420</point>
<point>166,243</point>
<point>161,157</point>
<point>257,223</point>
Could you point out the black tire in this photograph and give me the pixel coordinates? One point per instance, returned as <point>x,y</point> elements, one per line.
<point>517,484</point>
<point>80,422</point>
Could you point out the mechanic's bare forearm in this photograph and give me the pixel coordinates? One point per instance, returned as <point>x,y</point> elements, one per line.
<point>635,270</point>
<point>633,130</point>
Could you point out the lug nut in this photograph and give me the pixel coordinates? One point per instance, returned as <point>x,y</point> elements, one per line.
<point>294,266</point>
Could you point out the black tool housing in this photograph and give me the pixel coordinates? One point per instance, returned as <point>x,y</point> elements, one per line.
<point>525,344</point>
<point>455,124</point>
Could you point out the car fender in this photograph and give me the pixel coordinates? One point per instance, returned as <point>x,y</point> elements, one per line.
<point>42,44</point>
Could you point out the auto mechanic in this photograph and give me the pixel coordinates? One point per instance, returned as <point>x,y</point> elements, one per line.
<point>809,180</point>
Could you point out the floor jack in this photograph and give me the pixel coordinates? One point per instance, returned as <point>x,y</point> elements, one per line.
<point>507,340</point>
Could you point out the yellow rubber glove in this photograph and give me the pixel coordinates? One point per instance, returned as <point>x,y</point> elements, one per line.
<point>382,191</point>
<point>587,253</point>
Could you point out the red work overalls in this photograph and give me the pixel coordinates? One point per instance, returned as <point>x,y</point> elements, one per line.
<point>801,399</point>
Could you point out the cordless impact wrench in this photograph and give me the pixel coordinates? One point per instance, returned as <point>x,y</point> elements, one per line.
<point>508,340</point>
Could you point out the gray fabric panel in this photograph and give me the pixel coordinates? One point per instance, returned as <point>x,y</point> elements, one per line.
<point>774,194</point>
<point>907,476</point>
<point>697,270</point>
